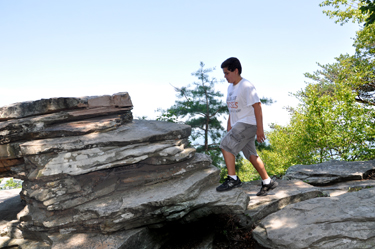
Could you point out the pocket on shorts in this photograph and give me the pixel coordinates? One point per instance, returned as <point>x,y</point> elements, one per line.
<point>237,134</point>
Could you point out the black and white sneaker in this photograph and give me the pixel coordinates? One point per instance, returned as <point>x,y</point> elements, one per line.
<point>228,184</point>
<point>267,187</point>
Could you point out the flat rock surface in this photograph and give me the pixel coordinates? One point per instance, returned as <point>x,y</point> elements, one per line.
<point>118,240</point>
<point>346,221</point>
<point>343,187</point>
<point>330,172</point>
<point>287,192</point>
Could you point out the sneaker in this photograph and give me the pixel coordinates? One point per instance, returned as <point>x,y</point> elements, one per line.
<point>267,187</point>
<point>229,183</point>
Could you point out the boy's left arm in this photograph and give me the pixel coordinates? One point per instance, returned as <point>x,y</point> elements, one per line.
<point>259,119</point>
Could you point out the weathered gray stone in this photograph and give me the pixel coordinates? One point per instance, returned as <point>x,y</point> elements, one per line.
<point>43,106</point>
<point>37,107</point>
<point>61,124</point>
<point>346,221</point>
<point>6,242</point>
<point>12,168</point>
<point>288,192</point>
<point>140,238</point>
<point>343,187</point>
<point>94,159</point>
<point>10,151</point>
<point>102,179</point>
<point>72,191</point>
<point>330,172</point>
<point>138,131</point>
<point>171,200</point>
<point>10,205</point>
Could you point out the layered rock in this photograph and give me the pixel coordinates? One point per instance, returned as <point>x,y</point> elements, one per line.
<point>89,170</point>
<point>57,117</point>
<point>331,172</point>
<point>344,220</point>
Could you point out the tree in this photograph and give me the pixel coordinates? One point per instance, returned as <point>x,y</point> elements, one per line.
<point>335,115</point>
<point>368,8</point>
<point>358,69</point>
<point>327,124</point>
<point>200,108</point>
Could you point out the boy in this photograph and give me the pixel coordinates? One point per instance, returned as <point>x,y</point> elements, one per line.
<point>244,122</point>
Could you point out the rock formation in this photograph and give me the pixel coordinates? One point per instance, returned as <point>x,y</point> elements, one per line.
<point>94,176</point>
<point>346,219</point>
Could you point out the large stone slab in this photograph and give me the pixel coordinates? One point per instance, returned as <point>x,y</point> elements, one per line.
<point>43,106</point>
<point>346,221</point>
<point>288,192</point>
<point>138,131</point>
<point>330,172</point>
<point>71,123</point>
<point>189,196</point>
<point>72,191</point>
<point>99,158</point>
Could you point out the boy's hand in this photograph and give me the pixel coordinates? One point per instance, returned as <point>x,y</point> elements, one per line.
<point>260,136</point>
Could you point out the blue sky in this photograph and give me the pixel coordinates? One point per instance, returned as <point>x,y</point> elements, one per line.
<point>81,48</point>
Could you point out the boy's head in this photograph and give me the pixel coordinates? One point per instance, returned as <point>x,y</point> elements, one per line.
<point>232,64</point>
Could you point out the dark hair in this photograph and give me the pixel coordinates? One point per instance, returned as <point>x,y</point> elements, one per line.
<point>232,63</point>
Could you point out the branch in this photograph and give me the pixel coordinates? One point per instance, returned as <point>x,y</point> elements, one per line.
<point>216,112</point>
<point>358,99</point>
<point>179,90</point>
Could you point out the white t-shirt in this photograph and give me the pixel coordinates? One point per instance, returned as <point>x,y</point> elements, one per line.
<point>240,101</point>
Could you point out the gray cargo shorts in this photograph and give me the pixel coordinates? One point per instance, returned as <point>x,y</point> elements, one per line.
<point>240,138</point>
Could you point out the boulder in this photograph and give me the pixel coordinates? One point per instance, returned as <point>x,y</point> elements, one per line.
<point>345,221</point>
<point>330,172</point>
<point>93,174</point>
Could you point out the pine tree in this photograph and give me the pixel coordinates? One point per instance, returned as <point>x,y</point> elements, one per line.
<point>200,107</point>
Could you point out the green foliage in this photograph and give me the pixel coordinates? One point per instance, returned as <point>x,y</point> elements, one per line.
<point>142,118</point>
<point>368,8</point>
<point>344,10</point>
<point>329,123</point>
<point>200,107</point>
<point>357,70</point>
<point>12,184</point>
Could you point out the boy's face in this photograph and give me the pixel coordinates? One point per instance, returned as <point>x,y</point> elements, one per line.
<point>230,76</point>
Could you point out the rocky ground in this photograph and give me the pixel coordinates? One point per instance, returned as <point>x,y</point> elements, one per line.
<point>227,229</point>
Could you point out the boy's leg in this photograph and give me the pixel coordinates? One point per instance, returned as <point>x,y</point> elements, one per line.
<point>231,145</point>
<point>230,161</point>
<point>259,166</point>
<point>229,183</point>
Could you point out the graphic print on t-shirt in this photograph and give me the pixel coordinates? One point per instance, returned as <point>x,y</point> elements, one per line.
<point>240,99</point>
<point>231,102</point>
